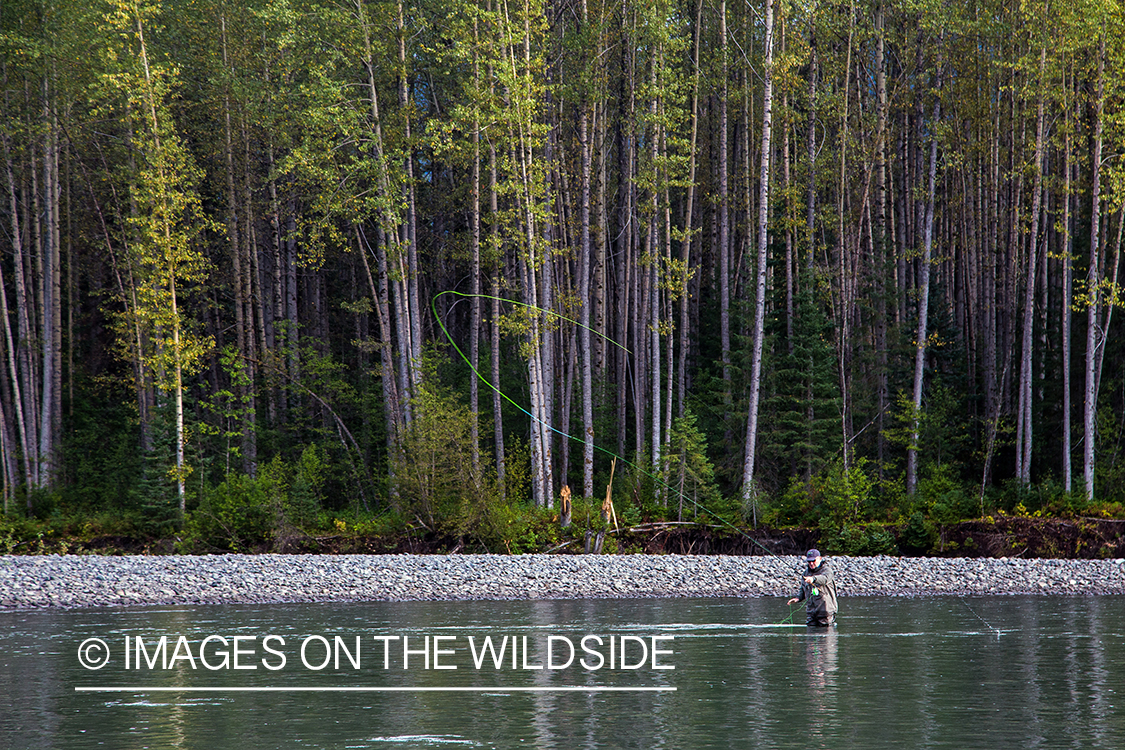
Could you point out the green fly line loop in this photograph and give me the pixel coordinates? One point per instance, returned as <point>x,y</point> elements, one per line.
<point>477,373</point>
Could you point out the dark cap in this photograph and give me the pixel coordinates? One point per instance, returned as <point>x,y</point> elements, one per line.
<point>812,554</point>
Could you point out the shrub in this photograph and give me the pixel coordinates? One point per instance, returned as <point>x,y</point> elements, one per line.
<point>438,485</point>
<point>944,497</point>
<point>238,515</point>
<point>917,535</point>
<point>868,540</point>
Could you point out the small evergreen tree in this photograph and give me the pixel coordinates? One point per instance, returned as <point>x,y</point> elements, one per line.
<point>802,433</point>
<point>689,473</point>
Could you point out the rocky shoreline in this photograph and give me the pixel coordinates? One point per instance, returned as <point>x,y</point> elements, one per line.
<point>85,581</point>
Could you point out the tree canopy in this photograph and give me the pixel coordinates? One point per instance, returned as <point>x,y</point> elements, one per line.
<point>755,250</point>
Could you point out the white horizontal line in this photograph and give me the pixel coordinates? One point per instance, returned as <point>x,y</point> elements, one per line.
<point>493,689</point>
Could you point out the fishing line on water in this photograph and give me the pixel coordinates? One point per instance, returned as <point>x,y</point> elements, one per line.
<point>986,623</point>
<point>476,372</point>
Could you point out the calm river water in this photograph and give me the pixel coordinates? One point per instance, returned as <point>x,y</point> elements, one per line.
<point>671,673</point>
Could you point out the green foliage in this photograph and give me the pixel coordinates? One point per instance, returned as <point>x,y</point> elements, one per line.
<point>21,535</point>
<point>689,476</point>
<point>100,450</point>
<point>801,429</point>
<point>303,499</point>
<point>60,532</point>
<point>517,468</point>
<point>861,540</point>
<point>1106,510</point>
<point>298,486</point>
<point>438,485</point>
<point>239,515</point>
<point>917,535</point>
<point>639,482</point>
<point>154,491</point>
<point>845,495</point>
<point>245,513</point>
<point>1109,470</point>
<point>943,434</point>
<point>514,528</point>
<point>945,499</point>
<point>231,407</point>
<point>792,508</point>
<point>832,500</point>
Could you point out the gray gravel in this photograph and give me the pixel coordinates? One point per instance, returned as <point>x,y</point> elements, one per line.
<point>82,581</point>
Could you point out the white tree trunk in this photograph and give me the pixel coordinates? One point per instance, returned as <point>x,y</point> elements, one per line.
<point>923,304</point>
<point>1093,280</point>
<point>1024,431</point>
<point>748,490</point>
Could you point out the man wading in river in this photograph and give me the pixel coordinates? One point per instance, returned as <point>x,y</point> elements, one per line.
<point>818,590</point>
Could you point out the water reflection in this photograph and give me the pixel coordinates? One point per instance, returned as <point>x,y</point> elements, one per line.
<point>820,664</point>
<point>916,673</point>
<point>821,659</point>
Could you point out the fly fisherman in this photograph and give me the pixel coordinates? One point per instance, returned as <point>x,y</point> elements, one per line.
<point>818,590</point>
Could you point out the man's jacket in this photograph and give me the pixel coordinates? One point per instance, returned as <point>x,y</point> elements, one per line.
<point>820,595</point>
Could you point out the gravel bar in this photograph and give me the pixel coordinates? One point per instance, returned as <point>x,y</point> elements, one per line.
<point>85,581</point>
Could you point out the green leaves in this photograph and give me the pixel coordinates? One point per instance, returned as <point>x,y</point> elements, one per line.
<point>689,473</point>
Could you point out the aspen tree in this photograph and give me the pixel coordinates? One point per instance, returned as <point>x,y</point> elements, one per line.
<point>749,493</point>
<point>168,219</point>
<point>922,335</point>
<point>1024,413</point>
<point>1094,335</point>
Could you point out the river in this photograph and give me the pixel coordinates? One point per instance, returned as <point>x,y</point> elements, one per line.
<point>942,672</point>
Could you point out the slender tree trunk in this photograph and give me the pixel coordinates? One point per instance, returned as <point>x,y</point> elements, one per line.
<point>292,331</point>
<point>18,404</point>
<point>689,212</point>
<point>390,225</point>
<point>409,228</point>
<point>600,316</point>
<point>584,271</point>
<point>924,295</point>
<point>1065,311</point>
<point>1104,326</point>
<point>810,151</point>
<point>494,354</point>
<point>990,186</point>
<point>177,348</point>
<point>234,241</point>
<point>724,196</point>
<point>847,274</point>
<point>790,219</point>
<point>52,314</point>
<point>276,397</point>
<point>391,411</point>
<point>255,311</point>
<point>1023,446</point>
<point>475,260</point>
<point>627,226</point>
<point>880,231</point>
<point>1094,338</point>
<point>748,489</point>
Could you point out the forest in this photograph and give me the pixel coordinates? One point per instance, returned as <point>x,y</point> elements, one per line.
<point>461,268</point>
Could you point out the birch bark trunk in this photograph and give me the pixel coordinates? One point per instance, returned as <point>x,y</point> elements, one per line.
<point>1024,410</point>
<point>1065,305</point>
<point>748,490</point>
<point>923,298</point>
<point>1094,338</point>
<point>584,271</point>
